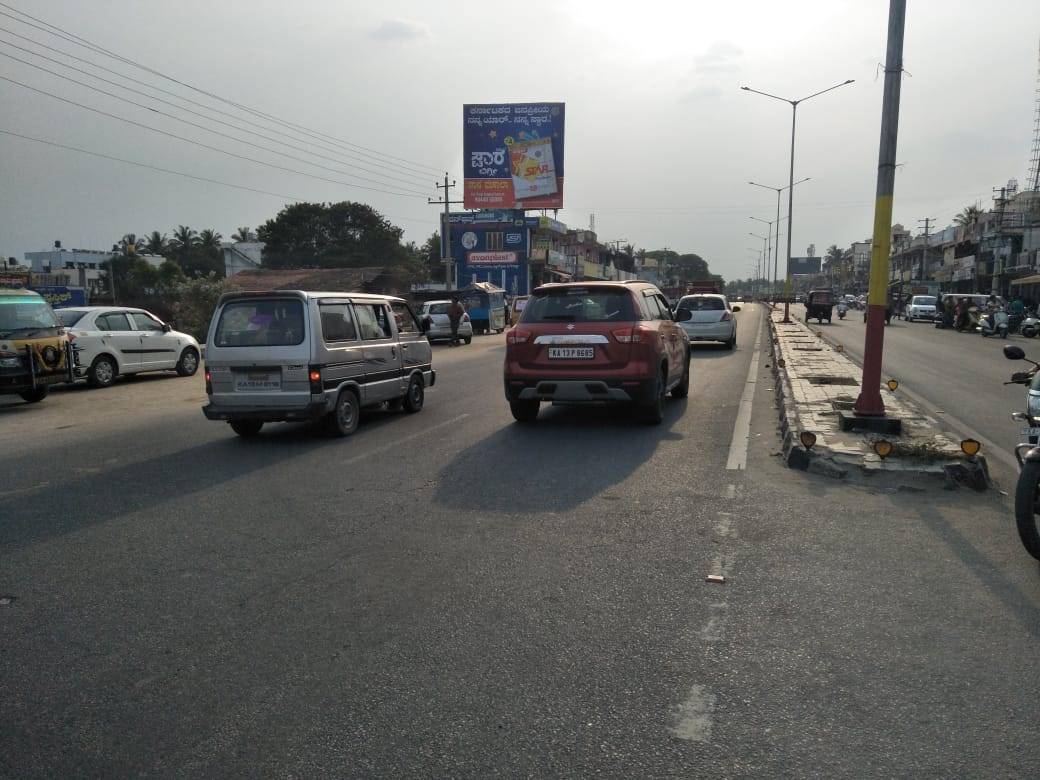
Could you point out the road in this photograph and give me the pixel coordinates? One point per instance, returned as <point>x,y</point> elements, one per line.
<point>958,376</point>
<point>450,594</point>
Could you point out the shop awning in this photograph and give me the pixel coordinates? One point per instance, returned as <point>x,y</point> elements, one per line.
<point>1034,279</point>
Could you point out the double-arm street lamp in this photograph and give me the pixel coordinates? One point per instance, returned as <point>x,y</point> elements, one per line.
<point>790,185</point>
<point>777,190</point>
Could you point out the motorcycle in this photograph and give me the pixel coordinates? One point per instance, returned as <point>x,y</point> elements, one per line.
<point>994,323</point>
<point>842,310</point>
<point>1027,453</point>
<point>1030,326</point>
<point>943,320</point>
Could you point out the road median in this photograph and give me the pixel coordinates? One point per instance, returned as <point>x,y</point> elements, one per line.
<point>816,384</point>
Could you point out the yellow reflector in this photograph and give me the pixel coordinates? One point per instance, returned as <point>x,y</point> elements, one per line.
<point>892,384</point>
<point>883,448</point>
<point>781,363</point>
<point>970,447</point>
<point>808,439</point>
<point>839,348</point>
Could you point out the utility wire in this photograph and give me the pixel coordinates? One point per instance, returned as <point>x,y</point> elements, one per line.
<point>205,146</point>
<point>387,177</point>
<point>357,156</point>
<point>84,43</point>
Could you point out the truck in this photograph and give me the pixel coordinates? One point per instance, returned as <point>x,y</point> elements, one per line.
<point>35,352</point>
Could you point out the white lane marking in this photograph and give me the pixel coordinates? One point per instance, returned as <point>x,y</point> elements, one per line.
<point>696,715</point>
<point>738,446</point>
<point>731,491</point>
<point>405,440</point>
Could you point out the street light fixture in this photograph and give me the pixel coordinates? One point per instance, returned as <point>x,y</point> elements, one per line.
<point>777,190</point>
<point>790,193</point>
<point>765,251</point>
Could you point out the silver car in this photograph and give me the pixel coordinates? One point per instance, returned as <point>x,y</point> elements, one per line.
<point>438,325</point>
<point>711,318</point>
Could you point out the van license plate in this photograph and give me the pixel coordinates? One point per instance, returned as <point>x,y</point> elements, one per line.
<point>572,353</point>
<point>258,382</point>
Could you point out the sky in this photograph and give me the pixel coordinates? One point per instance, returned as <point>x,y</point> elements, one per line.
<point>660,139</point>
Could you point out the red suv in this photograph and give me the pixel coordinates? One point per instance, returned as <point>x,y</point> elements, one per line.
<point>596,342</point>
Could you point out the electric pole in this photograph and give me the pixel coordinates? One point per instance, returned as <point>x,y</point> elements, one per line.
<point>927,222</point>
<point>450,283</point>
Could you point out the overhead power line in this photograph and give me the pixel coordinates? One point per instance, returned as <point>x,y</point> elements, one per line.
<point>206,146</point>
<point>353,156</point>
<point>386,177</point>
<point>70,37</point>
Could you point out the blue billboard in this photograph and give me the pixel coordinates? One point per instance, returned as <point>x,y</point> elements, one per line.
<point>61,297</point>
<point>513,155</point>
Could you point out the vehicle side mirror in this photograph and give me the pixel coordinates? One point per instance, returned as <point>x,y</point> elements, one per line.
<point>1021,377</point>
<point>683,315</point>
<point>736,308</point>
<point>167,327</point>
<point>1011,352</point>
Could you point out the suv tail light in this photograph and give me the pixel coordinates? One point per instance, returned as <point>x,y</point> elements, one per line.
<point>725,316</point>
<point>209,383</point>
<point>517,336</point>
<point>638,334</point>
<point>314,375</point>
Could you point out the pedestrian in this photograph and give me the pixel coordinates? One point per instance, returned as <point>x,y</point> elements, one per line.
<point>455,312</point>
<point>1017,307</point>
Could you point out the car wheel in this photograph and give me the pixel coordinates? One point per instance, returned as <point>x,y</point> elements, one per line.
<point>468,339</point>
<point>189,362</point>
<point>524,411</point>
<point>102,372</point>
<point>682,389</point>
<point>653,412</point>
<point>416,395</point>
<point>343,420</point>
<point>247,428</point>
<point>732,342</point>
<point>35,395</point>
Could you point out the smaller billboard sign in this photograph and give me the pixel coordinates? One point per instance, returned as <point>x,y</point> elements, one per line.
<point>491,258</point>
<point>62,297</point>
<point>803,265</point>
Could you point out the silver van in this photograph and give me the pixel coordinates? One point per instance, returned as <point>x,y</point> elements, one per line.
<point>294,355</point>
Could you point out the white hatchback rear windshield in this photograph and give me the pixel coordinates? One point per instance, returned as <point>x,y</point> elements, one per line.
<point>267,322</point>
<point>923,300</point>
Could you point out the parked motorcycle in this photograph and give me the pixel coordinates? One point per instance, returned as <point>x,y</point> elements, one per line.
<point>994,323</point>
<point>1030,326</point>
<point>1027,453</point>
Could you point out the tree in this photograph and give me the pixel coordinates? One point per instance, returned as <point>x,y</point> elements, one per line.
<point>156,243</point>
<point>129,245</point>
<point>243,234</point>
<point>209,239</point>
<point>184,238</point>
<point>331,235</point>
<point>969,216</point>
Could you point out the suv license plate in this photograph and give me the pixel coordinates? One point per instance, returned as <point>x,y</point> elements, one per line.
<point>258,382</point>
<point>1030,432</point>
<point>572,353</point>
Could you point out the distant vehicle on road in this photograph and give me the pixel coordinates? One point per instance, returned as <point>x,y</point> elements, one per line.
<point>295,355</point>
<point>486,305</point>
<point>596,342</point>
<point>34,350</point>
<point>112,340</point>
<point>819,305</point>
<point>516,308</point>
<point>434,315</point>
<point>922,307</point>
<point>710,318</point>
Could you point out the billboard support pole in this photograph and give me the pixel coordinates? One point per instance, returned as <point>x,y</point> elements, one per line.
<point>449,281</point>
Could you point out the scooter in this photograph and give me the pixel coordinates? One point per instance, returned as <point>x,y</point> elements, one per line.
<point>1030,326</point>
<point>1027,453</point>
<point>842,310</point>
<point>994,323</point>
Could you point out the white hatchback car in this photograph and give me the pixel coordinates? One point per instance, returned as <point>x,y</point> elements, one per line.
<point>922,307</point>
<point>435,314</point>
<point>111,340</point>
<point>711,318</point>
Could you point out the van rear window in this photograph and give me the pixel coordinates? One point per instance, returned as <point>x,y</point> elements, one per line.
<point>267,322</point>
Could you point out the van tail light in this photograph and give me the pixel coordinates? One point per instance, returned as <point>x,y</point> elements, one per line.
<point>209,383</point>
<point>640,334</point>
<point>315,377</point>
<point>725,316</point>
<point>517,336</point>
<point>465,318</point>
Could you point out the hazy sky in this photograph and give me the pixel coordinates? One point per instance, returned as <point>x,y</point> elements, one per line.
<point>660,141</point>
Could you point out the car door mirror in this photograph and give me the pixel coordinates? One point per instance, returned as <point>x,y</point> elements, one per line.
<point>736,308</point>
<point>167,327</point>
<point>683,315</point>
<point>1012,352</point>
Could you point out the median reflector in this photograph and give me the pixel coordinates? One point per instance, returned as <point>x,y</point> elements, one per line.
<point>892,385</point>
<point>883,448</point>
<point>808,439</point>
<point>970,447</point>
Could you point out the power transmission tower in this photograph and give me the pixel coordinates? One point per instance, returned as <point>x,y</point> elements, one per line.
<point>450,283</point>
<point>1033,182</point>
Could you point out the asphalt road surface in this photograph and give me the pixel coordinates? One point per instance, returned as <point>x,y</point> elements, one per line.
<point>451,594</point>
<point>957,376</point>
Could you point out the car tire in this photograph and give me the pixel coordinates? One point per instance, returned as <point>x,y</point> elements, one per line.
<point>468,340</point>
<point>415,396</point>
<point>343,420</point>
<point>247,428</point>
<point>524,411</point>
<point>35,395</point>
<point>731,343</point>
<point>188,365</point>
<point>682,389</point>
<point>102,372</point>
<point>653,413</point>
<point>1026,506</point>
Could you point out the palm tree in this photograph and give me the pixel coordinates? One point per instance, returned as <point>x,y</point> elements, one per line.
<point>184,238</point>
<point>209,239</point>
<point>129,244</point>
<point>157,243</point>
<point>243,234</point>
<point>969,216</point>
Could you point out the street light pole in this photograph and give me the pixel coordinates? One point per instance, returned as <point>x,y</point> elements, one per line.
<point>764,254</point>
<point>776,246</point>
<point>790,194</point>
<point>869,403</point>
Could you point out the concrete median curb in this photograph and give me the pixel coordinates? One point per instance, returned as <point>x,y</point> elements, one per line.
<point>814,381</point>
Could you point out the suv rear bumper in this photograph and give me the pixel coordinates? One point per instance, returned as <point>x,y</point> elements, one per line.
<point>578,391</point>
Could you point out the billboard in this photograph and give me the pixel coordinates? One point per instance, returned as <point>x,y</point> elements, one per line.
<point>61,297</point>
<point>513,155</point>
<point>803,265</point>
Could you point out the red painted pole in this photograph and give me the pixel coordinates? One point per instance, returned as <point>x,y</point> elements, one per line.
<point>869,401</point>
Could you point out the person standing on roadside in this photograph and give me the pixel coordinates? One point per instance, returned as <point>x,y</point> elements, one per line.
<point>455,312</point>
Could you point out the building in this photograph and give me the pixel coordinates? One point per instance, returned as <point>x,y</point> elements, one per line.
<point>242,256</point>
<point>77,268</point>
